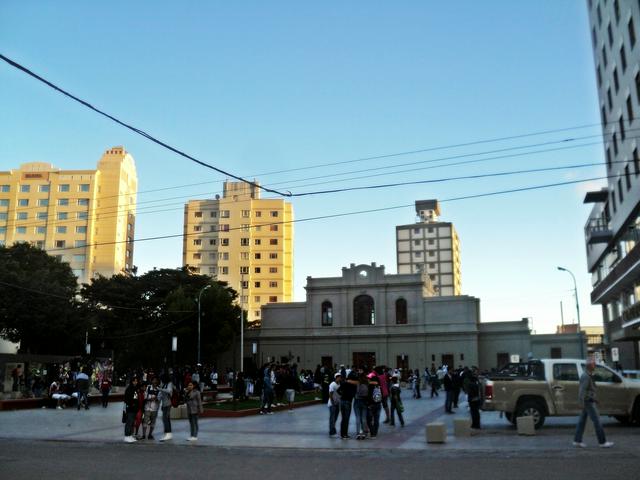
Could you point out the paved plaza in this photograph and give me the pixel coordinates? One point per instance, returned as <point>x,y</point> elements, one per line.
<point>307,428</point>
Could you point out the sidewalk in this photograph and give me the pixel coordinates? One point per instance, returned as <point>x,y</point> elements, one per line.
<point>307,428</point>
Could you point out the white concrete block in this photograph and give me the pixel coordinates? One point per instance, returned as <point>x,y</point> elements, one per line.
<point>462,427</point>
<point>525,426</point>
<point>436,432</point>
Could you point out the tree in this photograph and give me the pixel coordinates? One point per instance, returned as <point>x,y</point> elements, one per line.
<point>37,307</point>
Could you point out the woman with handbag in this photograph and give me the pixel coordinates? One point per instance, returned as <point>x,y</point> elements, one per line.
<point>396,401</point>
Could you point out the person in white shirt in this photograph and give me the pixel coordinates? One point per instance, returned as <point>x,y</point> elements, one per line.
<point>334,404</point>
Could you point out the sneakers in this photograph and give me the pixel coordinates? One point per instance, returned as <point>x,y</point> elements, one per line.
<point>192,439</point>
<point>606,445</point>
<point>150,437</point>
<point>580,444</point>
<point>345,437</point>
<point>129,439</point>
<point>167,436</point>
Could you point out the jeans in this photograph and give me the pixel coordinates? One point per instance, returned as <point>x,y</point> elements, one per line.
<point>105,398</point>
<point>373,418</point>
<point>267,400</point>
<point>434,390</point>
<point>345,416</point>
<point>166,419</point>
<point>128,426</point>
<point>360,407</point>
<point>334,410</point>
<point>591,410</point>
<point>394,408</point>
<point>448,401</point>
<point>474,408</point>
<point>193,424</point>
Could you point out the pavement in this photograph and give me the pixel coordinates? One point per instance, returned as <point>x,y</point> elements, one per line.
<point>307,428</point>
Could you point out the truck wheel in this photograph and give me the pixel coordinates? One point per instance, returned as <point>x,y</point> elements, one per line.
<point>623,419</point>
<point>532,408</point>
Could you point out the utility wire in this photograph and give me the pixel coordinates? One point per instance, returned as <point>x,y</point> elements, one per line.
<point>137,130</point>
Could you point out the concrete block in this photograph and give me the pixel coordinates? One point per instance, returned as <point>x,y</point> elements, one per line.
<point>179,413</point>
<point>462,427</point>
<point>436,433</point>
<point>525,426</point>
<point>174,414</point>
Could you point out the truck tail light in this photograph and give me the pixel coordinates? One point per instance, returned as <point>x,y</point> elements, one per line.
<point>488,391</point>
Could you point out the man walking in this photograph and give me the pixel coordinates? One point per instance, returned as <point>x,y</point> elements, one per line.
<point>588,401</point>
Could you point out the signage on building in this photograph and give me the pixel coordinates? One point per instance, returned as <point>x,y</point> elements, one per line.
<point>515,358</point>
<point>615,354</point>
<point>35,175</point>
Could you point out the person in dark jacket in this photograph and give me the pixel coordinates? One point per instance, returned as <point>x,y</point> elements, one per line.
<point>448,388</point>
<point>267,393</point>
<point>131,405</point>
<point>474,398</point>
<point>374,405</point>
<point>396,402</point>
<point>347,391</point>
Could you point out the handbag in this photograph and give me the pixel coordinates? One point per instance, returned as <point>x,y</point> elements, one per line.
<point>124,415</point>
<point>400,407</point>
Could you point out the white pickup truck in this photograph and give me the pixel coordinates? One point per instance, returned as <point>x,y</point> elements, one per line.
<point>549,387</point>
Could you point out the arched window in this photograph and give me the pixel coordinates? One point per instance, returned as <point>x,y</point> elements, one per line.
<point>401,311</point>
<point>363,310</point>
<point>327,314</point>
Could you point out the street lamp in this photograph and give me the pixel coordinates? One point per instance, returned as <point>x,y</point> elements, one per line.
<point>575,291</point>
<point>199,317</point>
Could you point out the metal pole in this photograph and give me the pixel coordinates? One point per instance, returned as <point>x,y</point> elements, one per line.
<point>199,317</point>
<point>561,316</point>
<point>241,323</point>
<point>575,291</point>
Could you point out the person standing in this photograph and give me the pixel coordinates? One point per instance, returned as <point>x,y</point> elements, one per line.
<point>396,402</point>
<point>360,407</point>
<point>588,401</point>
<point>334,403</point>
<point>194,408</point>
<point>347,391</point>
<point>474,398</point>
<point>165,392</point>
<point>151,407</point>
<point>374,405</point>
<point>82,384</point>
<point>267,393</point>
<point>132,405</point>
<point>381,372</point>
<point>448,388</point>
<point>105,388</point>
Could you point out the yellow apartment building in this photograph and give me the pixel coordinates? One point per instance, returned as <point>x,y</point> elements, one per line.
<point>84,217</point>
<point>245,241</point>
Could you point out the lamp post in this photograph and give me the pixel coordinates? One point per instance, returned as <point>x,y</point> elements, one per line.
<point>575,291</point>
<point>199,317</point>
<point>241,324</point>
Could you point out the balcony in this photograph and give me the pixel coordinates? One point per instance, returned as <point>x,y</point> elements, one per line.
<point>597,231</point>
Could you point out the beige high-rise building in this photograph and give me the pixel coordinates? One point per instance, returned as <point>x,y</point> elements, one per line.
<point>245,241</point>
<point>432,247</point>
<point>84,217</point>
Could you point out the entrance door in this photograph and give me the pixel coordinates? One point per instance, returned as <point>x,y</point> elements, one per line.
<point>366,360</point>
<point>503,360</point>
<point>326,362</point>
<point>447,359</point>
<point>403,366</point>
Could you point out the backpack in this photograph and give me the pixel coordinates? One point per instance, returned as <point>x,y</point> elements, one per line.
<point>377,394</point>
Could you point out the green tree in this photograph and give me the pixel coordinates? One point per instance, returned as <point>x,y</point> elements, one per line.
<point>37,302</point>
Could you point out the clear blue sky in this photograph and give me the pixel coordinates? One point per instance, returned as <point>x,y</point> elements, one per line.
<point>257,87</point>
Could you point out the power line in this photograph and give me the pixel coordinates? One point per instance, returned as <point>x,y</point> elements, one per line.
<point>137,130</point>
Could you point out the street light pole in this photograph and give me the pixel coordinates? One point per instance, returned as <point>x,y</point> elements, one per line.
<point>241,323</point>
<point>199,317</point>
<point>575,291</point>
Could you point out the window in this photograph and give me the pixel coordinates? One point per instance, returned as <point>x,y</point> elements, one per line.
<point>257,270</point>
<point>363,310</point>
<point>5,188</point>
<point>23,202</point>
<point>25,188</point>
<point>63,215</point>
<point>197,241</point>
<point>417,254</point>
<point>621,125</point>
<point>326,314</point>
<point>616,82</point>
<point>565,372</point>
<point>224,242</point>
<point>257,313</point>
<point>608,157</point>
<point>416,243</point>
<point>273,256</point>
<point>244,270</point>
<point>225,213</point>
<point>79,258</point>
<point>257,256</point>
<point>614,138</point>
<point>604,55</point>
<point>40,244</point>
<point>21,216</point>
<point>41,230</point>
<point>43,202</point>
<point>63,187</point>
<point>213,214</point>
<point>599,12</point>
<point>223,255</point>
<point>4,202</point>
<point>629,108</point>
<point>257,241</point>
<point>258,213</point>
<point>3,230</point>
<point>603,113</point>
<point>213,241</point>
<point>197,214</point>
<point>599,76</point>
<point>245,227</point>
<point>620,194</point>
<point>41,215</point>
<point>197,256</point>
<point>213,270</point>
<point>60,243</point>
<point>63,202</point>
<point>4,216</point>
<point>244,255</point>
<point>224,227</point>
<point>273,213</point>
<point>273,269</point>
<point>627,177</point>
<point>197,228</point>
<point>256,299</point>
<point>246,213</point>
<point>244,242</point>
<point>273,228</point>
<point>273,299</point>
<point>616,9</point>
<point>273,241</point>
<point>61,229</point>
<point>43,188</point>
<point>80,243</point>
<point>81,229</point>
<point>556,352</point>
<point>623,58</point>
<point>83,202</point>
<point>609,98</point>
<point>602,374</point>
<point>82,215</point>
<point>636,162</point>
<point>638,86</point>
<point>83,187</point>
<point>632,32</point>
<point>256,284</point>
<point>416,230</point>
<point>594,36</point>
<point>273,284</point>
<point>401,311</point>
<point>610,34</point>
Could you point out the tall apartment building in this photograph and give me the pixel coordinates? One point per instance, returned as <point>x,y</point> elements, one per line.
<point>84,217</point>
<point>432,247</point>
<point>245,241</point>
<point>612,230</point>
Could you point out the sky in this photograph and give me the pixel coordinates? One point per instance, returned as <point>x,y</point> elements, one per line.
<point>261,87</point>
